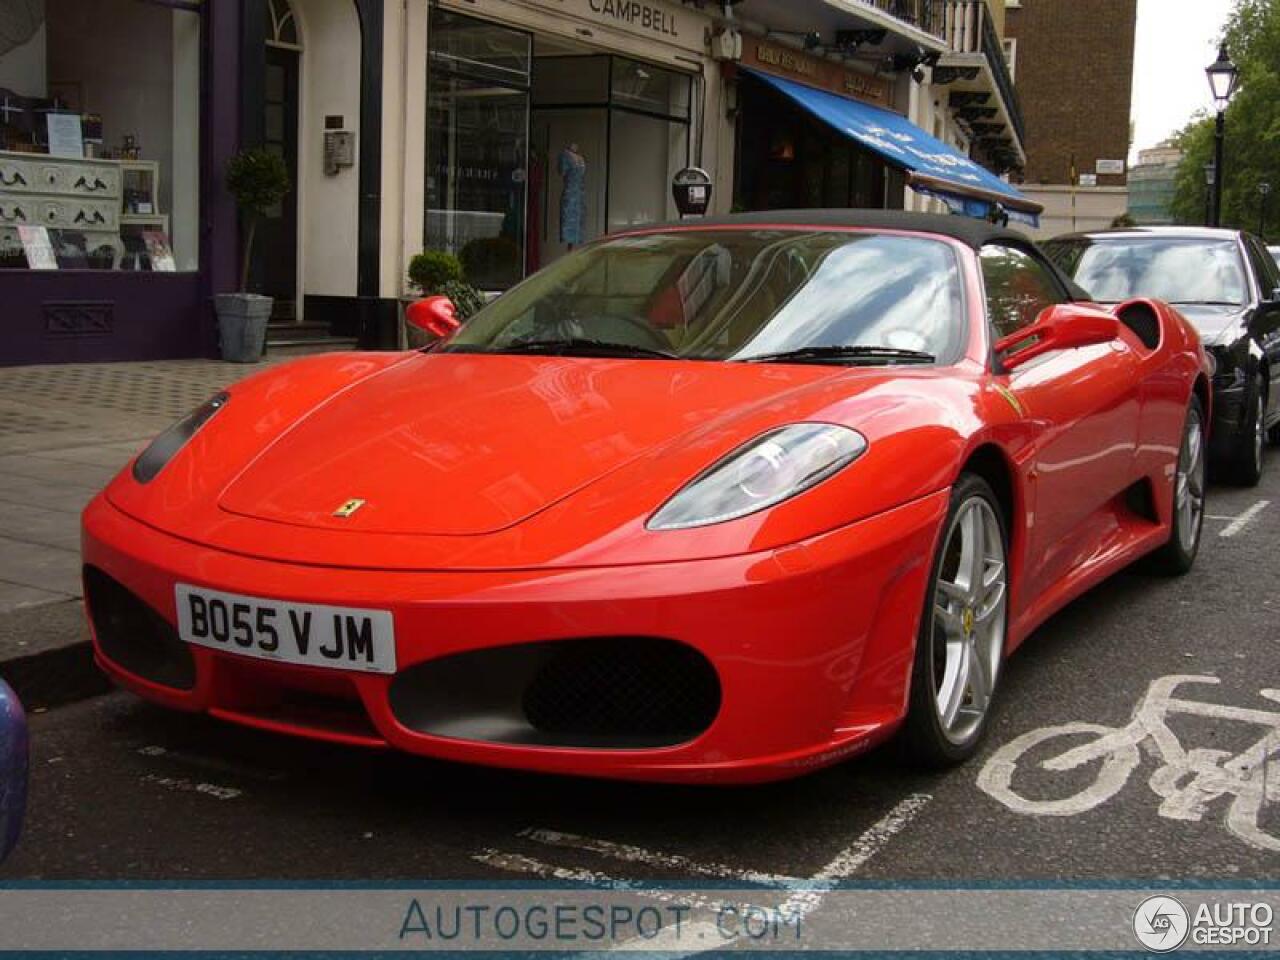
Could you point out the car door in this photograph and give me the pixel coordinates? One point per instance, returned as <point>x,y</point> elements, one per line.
<point>1265,322</point>
<point>1084,407</point>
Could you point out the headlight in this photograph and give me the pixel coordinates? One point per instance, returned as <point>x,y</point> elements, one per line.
<point>166,446</point>
<point>768,470</point>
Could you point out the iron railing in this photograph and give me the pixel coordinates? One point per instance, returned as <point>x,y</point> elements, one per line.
<point>922,14</point>
<point>967,27</point>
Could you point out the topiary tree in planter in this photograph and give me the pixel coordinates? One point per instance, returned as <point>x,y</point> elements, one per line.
<point>259,180</point>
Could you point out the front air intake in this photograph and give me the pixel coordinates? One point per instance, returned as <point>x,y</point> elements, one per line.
<point>600,692</point>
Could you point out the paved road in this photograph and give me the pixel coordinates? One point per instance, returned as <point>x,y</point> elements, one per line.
<point>123,790</point>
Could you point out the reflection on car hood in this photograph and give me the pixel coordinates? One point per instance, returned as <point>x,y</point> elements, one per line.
<point>1213,321</point>
<point>459,445</point>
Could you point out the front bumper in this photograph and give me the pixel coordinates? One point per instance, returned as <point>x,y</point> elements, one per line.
<point>811,644</point>
<point>1231,398</point>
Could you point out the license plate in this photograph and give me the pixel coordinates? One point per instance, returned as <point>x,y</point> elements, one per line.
<point>334,638</point>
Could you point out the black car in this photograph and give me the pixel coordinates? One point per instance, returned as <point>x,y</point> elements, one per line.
<point>1228,285</point>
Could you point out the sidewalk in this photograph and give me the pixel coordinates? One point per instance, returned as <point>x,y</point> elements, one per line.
<point>64,432</point>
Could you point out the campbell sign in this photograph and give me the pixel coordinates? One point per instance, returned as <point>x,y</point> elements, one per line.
<point>637,15</point>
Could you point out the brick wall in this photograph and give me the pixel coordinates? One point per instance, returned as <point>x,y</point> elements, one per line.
<point>1074,76</point>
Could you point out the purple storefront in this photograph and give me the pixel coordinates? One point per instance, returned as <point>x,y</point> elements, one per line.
<point>117,119</point>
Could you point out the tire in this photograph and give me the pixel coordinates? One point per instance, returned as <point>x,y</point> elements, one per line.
<point>1247,452</point>
<point>963,631</point>
<point>1178,555</point>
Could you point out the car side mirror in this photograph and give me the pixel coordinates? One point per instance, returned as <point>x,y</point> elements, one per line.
<point>434,315</point>
<point>1065,326</point>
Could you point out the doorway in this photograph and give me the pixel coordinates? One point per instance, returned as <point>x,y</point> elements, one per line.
<point>274,272</point>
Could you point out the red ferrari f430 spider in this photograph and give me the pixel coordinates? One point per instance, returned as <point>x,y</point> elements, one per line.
<point>717,501</point>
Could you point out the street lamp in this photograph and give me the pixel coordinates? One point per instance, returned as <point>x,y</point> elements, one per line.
<point>1223,77</point>
<point>1264,191</point>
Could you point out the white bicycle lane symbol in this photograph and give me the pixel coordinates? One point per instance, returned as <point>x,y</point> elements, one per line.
<point>1188,780</point>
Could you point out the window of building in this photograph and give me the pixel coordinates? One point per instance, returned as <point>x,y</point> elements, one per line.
<point>1011,57</point>
<point>536,148</point>
<point>100,135</point>
<point>609,133</point>
<point>477,146</point>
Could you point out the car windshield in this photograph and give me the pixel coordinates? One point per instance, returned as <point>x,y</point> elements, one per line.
<point>1175,269</point>
<point>735,294</point>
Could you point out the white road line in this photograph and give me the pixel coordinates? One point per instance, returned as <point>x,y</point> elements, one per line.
<point>857,855</point>
<point>704,936</point>
<point>183,785</point>
<point>211,764</point>
<point>707,934</point>
<point>517,863</point>
<point>804,902</point>
<point>650,858</point>
<point>1239,523</point>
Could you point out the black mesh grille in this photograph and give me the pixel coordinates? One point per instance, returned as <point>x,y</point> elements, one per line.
<point>134,636</point>
<point>608,693</point>
<point>625,687</point>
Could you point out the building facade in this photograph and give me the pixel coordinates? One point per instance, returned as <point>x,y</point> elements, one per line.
<point>1152,184</point>
<point>507,132</point>
<point>1073,62</point>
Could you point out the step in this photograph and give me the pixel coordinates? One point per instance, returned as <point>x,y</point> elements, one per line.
<point>290,330</point>
<point>305,346</point>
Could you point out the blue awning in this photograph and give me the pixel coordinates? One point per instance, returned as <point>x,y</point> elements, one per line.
<point>933,168</point>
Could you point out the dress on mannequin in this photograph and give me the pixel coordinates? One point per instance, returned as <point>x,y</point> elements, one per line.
<point>573,168</point>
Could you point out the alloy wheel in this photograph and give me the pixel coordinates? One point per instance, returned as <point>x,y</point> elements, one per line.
<point>970,607</point>
<point>1190,483</point>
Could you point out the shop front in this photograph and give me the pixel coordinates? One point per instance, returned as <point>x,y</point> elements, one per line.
<point>546,129</point>
<point>788,159</point>
<point>105,108</point>
<point>813,133</point>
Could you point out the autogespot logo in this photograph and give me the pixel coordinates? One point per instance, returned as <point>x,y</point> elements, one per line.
<point>1161,924</point>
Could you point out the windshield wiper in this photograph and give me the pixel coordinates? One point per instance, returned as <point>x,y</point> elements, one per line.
<point>583,346</point>
<point>1205,303</point>
<point>835,352</point>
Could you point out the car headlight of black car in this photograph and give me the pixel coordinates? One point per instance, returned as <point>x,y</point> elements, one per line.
<point>1228,371</point>
<point>166,446</point>
<point>770,469</point>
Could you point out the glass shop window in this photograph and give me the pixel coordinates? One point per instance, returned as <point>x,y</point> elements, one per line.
<point>100,135</point>
<point>477,146</point>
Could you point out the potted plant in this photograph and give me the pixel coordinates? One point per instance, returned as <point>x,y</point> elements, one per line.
<point>259,180</point>
<point>435,273</point>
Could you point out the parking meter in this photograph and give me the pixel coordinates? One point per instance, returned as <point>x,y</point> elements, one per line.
<point>691,188</point>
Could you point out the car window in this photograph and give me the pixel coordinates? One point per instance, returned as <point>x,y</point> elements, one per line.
<point>1019,288</point>
<point>1264,267</point>
<point>737,294</point>
<point>1179,269</point>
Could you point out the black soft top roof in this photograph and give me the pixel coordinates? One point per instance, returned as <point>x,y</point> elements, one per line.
<point>968,230</point>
